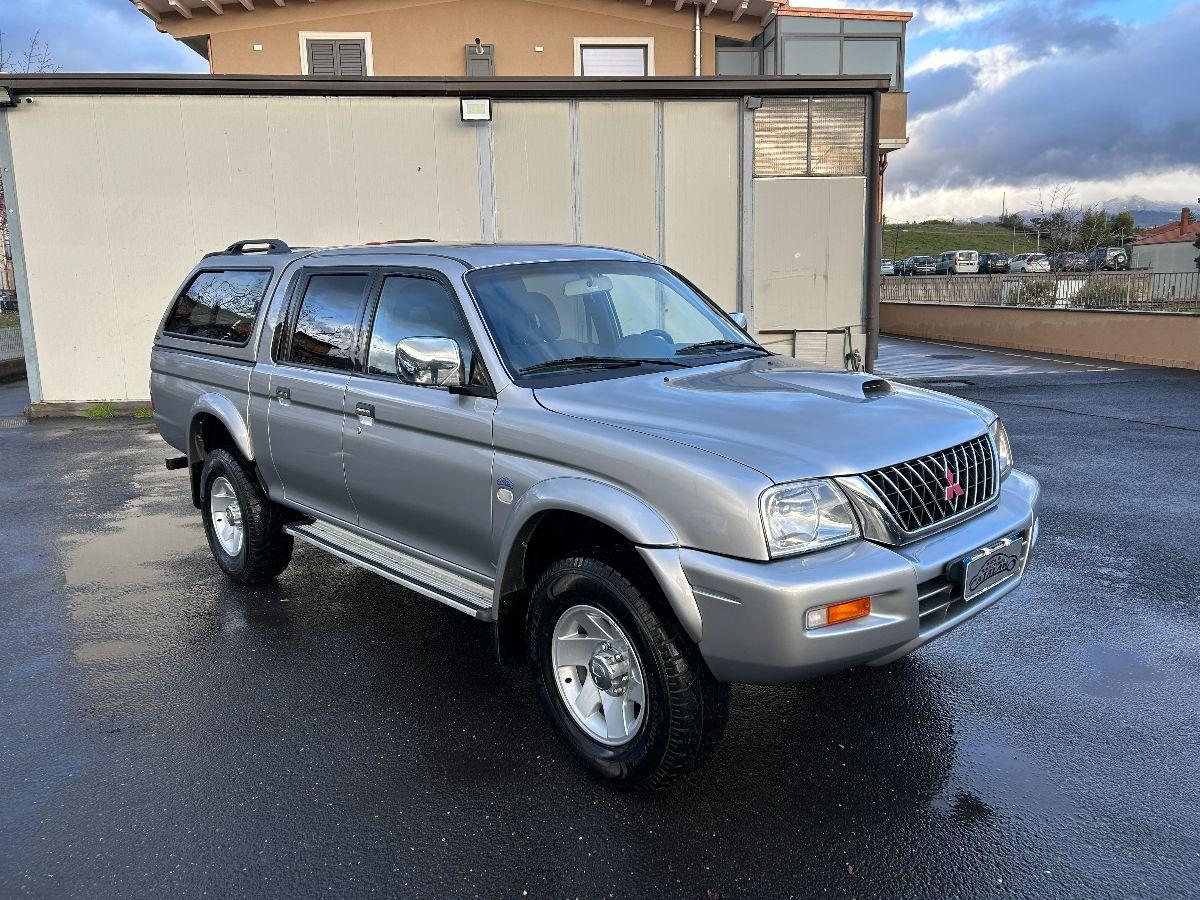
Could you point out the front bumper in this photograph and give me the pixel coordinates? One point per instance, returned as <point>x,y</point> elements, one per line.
<point>752,613</point>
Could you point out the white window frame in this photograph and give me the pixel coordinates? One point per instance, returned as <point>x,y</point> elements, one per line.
<point>647,42</point>
<point>364,36</point>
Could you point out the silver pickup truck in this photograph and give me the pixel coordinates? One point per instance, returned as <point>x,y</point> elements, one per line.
<point>577,446</point>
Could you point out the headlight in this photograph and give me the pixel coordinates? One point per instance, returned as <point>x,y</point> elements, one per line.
<point>1004,454</point>
<point>806,516</point>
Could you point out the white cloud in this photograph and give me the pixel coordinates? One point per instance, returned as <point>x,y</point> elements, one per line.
<point>948,16</point>
<point>1180,185</point>
<point>994,65</point>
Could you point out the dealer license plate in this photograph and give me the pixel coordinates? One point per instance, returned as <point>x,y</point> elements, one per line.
<point>992,565</point>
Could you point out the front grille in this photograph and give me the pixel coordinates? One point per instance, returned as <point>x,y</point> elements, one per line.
<point>920,493</point>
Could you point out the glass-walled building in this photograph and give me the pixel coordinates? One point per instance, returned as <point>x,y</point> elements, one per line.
<point>820,42</point>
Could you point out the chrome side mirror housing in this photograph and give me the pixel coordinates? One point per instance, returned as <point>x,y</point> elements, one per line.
<point>430,361</point>
<point>739,319</point>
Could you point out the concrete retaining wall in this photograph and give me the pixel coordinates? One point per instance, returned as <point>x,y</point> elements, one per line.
<point>1150,338</point>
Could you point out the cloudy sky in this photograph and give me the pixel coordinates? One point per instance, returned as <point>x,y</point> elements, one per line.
<point>1020,95</point>
<point>1005,95</point>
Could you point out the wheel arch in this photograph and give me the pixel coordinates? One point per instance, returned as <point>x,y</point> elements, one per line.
<point>214,423</point>
<point>565,515</point>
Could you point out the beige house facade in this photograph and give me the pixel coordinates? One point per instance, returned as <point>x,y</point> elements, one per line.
<point>433,37</point>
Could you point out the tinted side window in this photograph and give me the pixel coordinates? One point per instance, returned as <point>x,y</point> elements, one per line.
<point>325,323</point>
<point>414,307</point>
<point>219,306</point>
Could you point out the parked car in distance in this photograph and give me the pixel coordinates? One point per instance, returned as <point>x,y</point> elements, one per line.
<point>1068,262</point>
<point>1110,258</point>
<point>919,265</point>
<point>1029,262</point>
<point>8,302</point>
<point>576,446</point>
<point>958,262</point>
<point>993,263</point>
<point>886,267</point>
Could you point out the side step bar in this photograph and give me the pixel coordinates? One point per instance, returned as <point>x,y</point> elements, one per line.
<point>415,574</point>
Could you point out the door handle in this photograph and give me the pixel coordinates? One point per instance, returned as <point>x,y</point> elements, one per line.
<point>283,395</point>
<point>364,410</point>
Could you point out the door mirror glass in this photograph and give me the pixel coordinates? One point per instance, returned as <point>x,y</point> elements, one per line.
<point>430,361</point>
<point>739,319</point>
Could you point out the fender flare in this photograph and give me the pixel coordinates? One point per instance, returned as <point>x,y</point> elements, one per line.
<point>626,514</point>
<point>223,409</point>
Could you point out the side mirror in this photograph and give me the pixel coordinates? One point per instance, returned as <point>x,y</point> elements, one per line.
<point>739,319</point>
<point>431,361</point>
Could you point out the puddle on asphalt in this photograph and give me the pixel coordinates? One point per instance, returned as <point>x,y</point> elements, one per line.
<point>108,651</point>
<point>1116,672</point>
<point>120,585</point>
<point>990,779</point>
<point>131,550</point>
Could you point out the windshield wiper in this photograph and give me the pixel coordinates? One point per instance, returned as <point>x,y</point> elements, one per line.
<point>595,362</point>
<point>719,346</point>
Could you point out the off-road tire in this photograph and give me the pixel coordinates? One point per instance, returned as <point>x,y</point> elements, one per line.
<point>266,549</point>
<point>686,706</point>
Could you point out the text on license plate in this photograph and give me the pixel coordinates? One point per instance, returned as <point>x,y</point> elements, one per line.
<point>990,566</point>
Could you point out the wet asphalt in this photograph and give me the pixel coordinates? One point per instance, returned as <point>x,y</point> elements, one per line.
<point>164,732</point>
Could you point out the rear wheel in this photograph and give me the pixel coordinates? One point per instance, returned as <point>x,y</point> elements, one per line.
<point>244,528</point>
<point>625,689</point>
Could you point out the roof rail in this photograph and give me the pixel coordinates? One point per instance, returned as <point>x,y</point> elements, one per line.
<point>401,241</point>
<point>259,245</point>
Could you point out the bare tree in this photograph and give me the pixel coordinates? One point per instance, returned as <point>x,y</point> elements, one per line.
<point>1056,218</point>
<point>34,56</point>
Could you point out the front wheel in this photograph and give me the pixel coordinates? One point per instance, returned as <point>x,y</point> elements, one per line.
<point>243,526</point>
<point>625,689</point>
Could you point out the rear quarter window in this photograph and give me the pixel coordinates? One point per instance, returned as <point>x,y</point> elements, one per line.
<point>219,306</point>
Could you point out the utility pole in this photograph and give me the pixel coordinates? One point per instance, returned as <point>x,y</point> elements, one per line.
<point>1014,240</point>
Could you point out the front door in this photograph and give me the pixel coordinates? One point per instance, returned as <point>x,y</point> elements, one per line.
<point>308,391</point>
<point>418,458</point>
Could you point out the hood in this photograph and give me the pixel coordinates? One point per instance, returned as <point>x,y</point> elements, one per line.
<point>774,415</point>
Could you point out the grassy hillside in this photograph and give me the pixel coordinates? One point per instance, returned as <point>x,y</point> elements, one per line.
<point>931,238</point>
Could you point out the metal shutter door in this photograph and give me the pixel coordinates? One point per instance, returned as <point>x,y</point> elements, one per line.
<point>613,60</point>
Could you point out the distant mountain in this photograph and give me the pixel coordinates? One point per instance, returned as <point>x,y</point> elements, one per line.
<point>1146,213</point>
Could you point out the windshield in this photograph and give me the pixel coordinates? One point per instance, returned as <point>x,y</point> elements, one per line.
<point>564,317</point>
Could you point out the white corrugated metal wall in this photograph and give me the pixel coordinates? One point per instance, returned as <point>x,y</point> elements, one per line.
<point>120,196</point>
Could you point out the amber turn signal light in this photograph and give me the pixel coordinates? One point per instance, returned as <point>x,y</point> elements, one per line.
<point>836,613</point>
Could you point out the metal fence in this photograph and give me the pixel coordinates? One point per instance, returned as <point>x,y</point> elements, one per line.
<point>1162,291</point>
<point>10,344</point>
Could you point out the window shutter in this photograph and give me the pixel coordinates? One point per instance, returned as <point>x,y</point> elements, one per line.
<point>351,58</point>
<point>613,60</point>
<point>481,60</point>
<point>322,60</point>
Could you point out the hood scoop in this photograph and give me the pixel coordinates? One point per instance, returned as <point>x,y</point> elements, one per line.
<point>876,387</point>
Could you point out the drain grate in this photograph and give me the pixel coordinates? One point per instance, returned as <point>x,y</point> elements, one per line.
<point>950,356</point>
<point>12,423</point>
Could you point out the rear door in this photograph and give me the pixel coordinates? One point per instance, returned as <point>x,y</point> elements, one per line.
<point>308,388</point>
<point>418,458</point>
